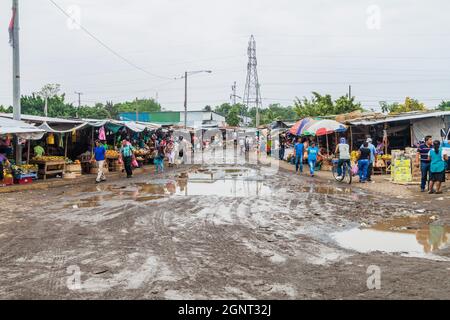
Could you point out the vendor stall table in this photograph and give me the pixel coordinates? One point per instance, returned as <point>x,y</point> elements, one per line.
<point>48,168</point>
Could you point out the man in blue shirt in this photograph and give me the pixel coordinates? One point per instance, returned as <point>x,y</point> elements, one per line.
<point>423,162</point>
<point>100,154</point>
<point>299,149</point>
<point>373,152</point>
<point>446,145</point>
<point>313,152</point>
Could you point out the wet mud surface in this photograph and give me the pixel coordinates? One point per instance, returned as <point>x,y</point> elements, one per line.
<point>221,232</point>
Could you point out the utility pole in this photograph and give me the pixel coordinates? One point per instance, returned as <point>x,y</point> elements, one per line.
<point>14,40</point>
<point>349,92</point>
<point>252,94</point>
<point>79,101</point>
<point>137,109</point>
<point>185,91</point>
<point>79,98</point>
<point>185,100</point>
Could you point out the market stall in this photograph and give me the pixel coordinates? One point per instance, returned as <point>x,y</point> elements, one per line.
<point>17,172</point>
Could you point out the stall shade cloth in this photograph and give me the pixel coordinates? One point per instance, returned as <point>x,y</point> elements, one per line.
<point>22,129</point>
<point>324,127</point>
<point>45,126</point>
<point>427,127</point>
<point>298,128</point>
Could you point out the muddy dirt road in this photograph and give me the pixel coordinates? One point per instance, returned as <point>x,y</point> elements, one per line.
<point>221,232</point>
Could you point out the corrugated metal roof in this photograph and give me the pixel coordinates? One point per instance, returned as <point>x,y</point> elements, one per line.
<point>401,117</point>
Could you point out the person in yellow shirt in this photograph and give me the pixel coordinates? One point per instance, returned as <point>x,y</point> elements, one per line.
<point>39,151</point>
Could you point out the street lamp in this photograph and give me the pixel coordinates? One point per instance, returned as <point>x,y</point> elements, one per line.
<point>186,74</point>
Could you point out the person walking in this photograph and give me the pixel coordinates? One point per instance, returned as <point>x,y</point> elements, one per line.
<point>423,162</point>
<point>282,150</point>
<point>299,149</point>
<point>127,156</point>
<point>446,146</point>
<point>437,167</point>
<point>3,162</point>
<point>170,151</point>
<point>159,160</point>
<point>343,149</point>
<point>313,152</point>
<point>182,150</point>
<point>100,156</point>
<point>363,162</point>
<point>373,153</point>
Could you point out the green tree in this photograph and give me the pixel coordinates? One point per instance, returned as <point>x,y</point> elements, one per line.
<point>112,110</point>
<point>232,117</point>
<point>408,106</point>
<point>444,106</point>
<point>323,105</point>
<point>5,109</point>
<point>141,105</point>
<point>223,109</point>
<point>207,109</point>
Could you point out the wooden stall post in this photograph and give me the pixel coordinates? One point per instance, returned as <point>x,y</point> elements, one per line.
<point>28,151</point>
<point>351,139</point>
<point>65,151</point>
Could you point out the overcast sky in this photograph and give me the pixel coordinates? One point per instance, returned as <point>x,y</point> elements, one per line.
<point>302,46</point>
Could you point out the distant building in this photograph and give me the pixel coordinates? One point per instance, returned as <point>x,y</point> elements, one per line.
<point>195,119</point>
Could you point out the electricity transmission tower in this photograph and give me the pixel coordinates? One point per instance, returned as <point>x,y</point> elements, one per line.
<point>252,94</point>
<point>233,96</point>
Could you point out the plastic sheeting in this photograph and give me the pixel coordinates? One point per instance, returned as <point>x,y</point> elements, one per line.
<point>427,127</point>
<point>22,129</point>
<point>45,126</point>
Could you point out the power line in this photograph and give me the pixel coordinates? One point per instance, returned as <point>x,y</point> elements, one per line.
<point>106,46</point>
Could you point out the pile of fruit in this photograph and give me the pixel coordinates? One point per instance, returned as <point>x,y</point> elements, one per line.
<point>141,152</point>
<point>112,154</point>
<point>24,169</point>
<point>49,158</point>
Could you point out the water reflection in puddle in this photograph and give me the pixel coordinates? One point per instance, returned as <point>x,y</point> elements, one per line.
<point>409,235</point>
<point>198,187</point>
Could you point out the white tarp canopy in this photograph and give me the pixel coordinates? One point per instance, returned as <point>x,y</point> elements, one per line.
<point>427,127</point>
<point>47,128</point>
<point>59,125</point>
<point>22,129</point>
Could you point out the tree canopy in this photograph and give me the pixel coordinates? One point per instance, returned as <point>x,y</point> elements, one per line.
<point>444,106</point>
<point>323,105</point>
<point>57,106</point>
<point>408,106</point>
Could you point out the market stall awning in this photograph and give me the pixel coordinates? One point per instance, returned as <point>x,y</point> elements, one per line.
<point>21,129</point>
<point>324,127</point>
<point>298,128</point>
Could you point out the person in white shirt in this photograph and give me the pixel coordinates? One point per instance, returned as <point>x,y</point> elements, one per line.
<point>343,149</point>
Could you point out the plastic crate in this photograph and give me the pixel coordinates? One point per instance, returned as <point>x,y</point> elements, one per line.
<point>32,176</point>
<point>23,181</point>
<point>7,181</point>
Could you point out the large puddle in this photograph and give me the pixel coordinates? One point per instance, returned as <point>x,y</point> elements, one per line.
<point>216,181</point>
<point>411,236</point>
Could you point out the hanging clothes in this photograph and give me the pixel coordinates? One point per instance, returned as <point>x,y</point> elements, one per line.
<point>61,141</point>
<point>74,136</point>
<point>102,134</point>
<point>50,139</point>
